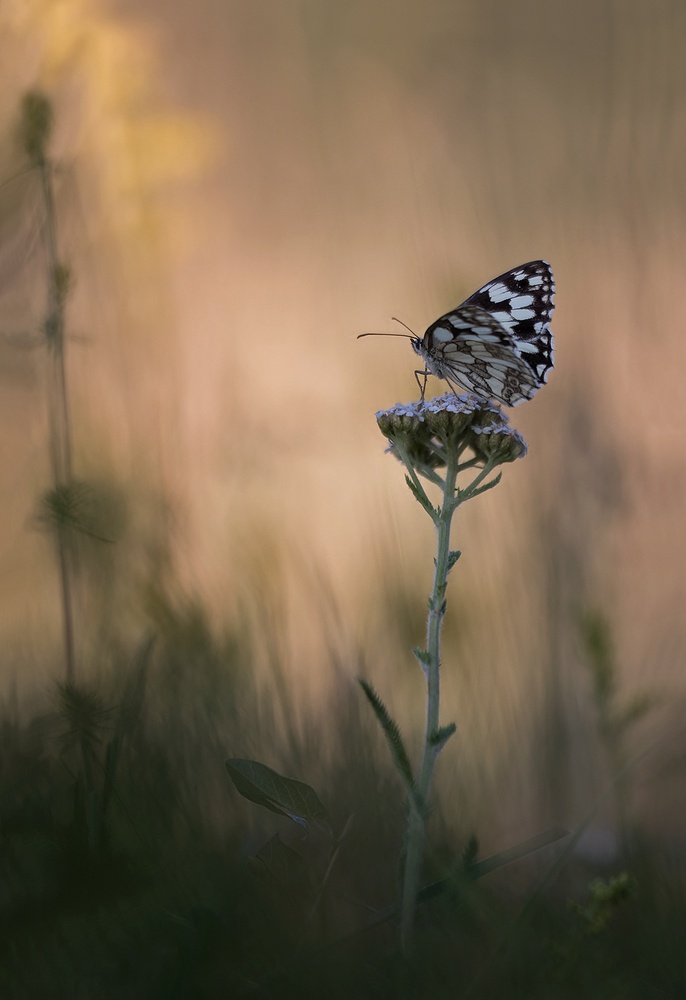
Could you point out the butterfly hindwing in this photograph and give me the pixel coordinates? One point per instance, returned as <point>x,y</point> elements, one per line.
<point>479,356</point>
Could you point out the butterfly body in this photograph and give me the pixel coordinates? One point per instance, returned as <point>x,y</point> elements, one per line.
<point>497,343</point>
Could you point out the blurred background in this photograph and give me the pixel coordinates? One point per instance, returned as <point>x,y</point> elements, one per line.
<point>240,190</point>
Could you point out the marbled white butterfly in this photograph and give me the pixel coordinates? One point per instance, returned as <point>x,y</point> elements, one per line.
<point>497,343</point>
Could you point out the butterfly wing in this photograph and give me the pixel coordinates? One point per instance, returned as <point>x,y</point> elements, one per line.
<point>497,343</point>
<point>522,301</point>
<point>470,348</point>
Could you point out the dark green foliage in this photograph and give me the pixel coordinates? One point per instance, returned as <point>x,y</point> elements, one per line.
<point>285,796</point>
<point>85,717</point>
<point>615,715</point>
<point>35,125</point>
<point>75,508</point>
<point>137,885</point>
<point>614,719</point>
<point>604,897</point>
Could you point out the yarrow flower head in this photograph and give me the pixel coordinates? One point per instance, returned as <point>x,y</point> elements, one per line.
<point>497,441</point>
<point>426,434</point>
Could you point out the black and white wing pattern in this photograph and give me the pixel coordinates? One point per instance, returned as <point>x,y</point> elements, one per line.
<point>497,343</point>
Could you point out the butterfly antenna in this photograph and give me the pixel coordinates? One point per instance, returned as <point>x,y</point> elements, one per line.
<point>396,320</point>
<point>385,335</point>
<point>410,336</point>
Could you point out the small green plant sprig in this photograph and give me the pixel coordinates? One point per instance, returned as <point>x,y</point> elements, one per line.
<point>34,132</point>
<point>615,715</point>
<point>439,440</point>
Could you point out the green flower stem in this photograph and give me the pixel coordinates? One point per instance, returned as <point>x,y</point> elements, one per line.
<point>425,436</point>
<point>429,473</point>
<point>419,807</point>
<point>418,816</point>
<point>475,486</point>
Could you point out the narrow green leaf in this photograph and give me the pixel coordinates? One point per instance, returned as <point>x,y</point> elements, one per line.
<point>421,497</point>
<point>470,853</point>
<point>438,605</point>
<point>636,709</point>
<point>473,869</point>
<point>285,796</point>
<point>393,737</point>
<point>423,658</point>
<point>440,738</point>
<point>452,558</point>
<point>482,489</point>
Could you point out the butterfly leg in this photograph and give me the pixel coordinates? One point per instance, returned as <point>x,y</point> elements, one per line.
<point>419,373</point>
<point>452,387</point>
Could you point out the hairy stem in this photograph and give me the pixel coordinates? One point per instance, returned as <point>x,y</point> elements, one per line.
<point>418,816</point>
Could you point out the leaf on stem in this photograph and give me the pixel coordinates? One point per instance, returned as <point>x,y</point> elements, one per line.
<point>421,497</point>
<point>437,605</point>
<point>423,659</point>
<point>441,737</point>
<point>392,733</point>
<point>469,493</point>
<point>452,559</point>
<point>285,796</point>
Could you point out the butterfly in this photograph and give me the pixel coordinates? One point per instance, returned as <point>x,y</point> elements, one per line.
<point>497,343</point>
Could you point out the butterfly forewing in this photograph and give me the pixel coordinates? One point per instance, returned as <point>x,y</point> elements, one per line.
<point>497,342</point>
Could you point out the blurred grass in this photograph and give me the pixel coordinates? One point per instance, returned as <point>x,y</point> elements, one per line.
<point>161,903</point>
